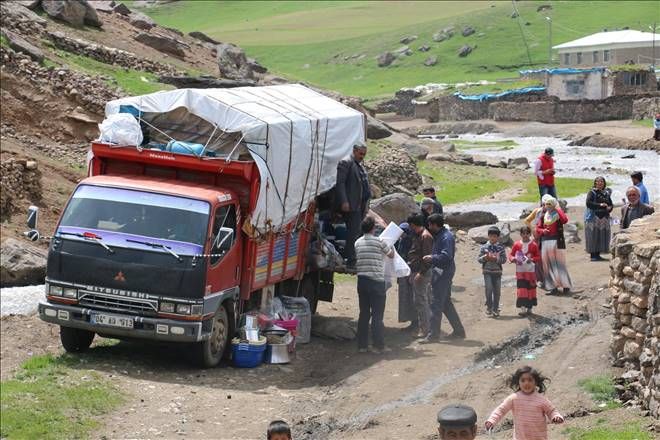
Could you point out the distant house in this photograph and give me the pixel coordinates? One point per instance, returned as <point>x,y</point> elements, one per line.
<point>609,49</point>
<point>567,83</point>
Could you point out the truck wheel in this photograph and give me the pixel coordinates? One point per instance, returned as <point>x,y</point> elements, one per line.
<point>75,340</point>
<point>211,351</point>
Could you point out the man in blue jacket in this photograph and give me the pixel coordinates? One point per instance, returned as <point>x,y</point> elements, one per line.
<point>444,268</point>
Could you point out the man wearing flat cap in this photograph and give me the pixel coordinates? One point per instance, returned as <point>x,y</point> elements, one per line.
<point>457,422</point>
<point>353,194</point>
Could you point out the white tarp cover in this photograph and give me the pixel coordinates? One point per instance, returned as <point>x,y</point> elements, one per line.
<point>295,135</point>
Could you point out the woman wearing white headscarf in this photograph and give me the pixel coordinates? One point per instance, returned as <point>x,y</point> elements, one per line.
<point>550,228</point>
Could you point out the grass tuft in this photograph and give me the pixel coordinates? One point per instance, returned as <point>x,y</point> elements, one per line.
<point>50,398</point>
<point>460,183</point>
<point>629,432</point>
<point>566,187</point>
<point>133,82</point>
<point>601,389</point>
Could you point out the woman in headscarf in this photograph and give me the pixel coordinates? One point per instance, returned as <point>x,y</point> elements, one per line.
<point>597,232</point>
<point>550,228</point>
<point>532,220</point>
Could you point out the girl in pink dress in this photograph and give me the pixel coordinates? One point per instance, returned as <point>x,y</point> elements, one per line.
<point>525,253</point>
<point>531,410</point>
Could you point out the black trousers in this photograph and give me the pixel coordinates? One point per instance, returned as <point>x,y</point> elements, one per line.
<point>352,220</point>
<point>371,295</point>
<point>441,303</point>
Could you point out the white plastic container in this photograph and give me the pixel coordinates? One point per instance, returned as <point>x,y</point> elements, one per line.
<point>299,306</point>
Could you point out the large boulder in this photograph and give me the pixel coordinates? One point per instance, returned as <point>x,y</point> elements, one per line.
<point>13,12</point>
<point>30,4</point>
<point>385,59</point>
<point>141,21</point>
<point>107,6</point>
<point>470,219</point>
<point>76,13</point>
<point>201,36</point>
<point>409,39</point>
<point>162,43</point>
<point>416,150</point>
<point>21,264</point>
<point>465,51</point>
<point>519,163</point>
<point>480,233</point>
<point>431,61</point>
<point>376,129</point>
<point>467,31</point>
<point>20,44</point>
<point>121,9</point>
<point>393,170</point>
<point>394,207</point>
<point>232,62</point>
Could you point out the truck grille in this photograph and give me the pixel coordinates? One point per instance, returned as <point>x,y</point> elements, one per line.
<point>117,303</point>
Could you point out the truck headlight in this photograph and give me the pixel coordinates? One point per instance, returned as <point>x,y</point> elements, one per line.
<point>55,290</point>
<point>183,309</point>
<point>167,307</point>
<point>69,292</point>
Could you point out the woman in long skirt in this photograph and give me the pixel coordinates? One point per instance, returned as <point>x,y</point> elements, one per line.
<point>532,220</point>
<point>597,232</point>
<point>525,254</point>
<point>553,248</point>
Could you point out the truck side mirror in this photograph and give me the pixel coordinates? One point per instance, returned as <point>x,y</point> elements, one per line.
<point>33,217</point>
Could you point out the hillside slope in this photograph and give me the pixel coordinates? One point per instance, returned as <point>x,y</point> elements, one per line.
<point>335,44</point>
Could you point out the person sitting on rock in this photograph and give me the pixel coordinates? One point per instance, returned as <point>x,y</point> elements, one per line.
<point>457,422</point>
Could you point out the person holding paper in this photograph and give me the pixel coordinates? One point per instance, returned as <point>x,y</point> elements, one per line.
<point>444,268</point>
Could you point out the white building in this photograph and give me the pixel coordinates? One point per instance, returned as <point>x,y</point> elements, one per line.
<point>611,48</point>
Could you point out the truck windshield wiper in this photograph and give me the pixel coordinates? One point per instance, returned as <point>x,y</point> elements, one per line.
<point>156,245</point>
<point>90,236</point>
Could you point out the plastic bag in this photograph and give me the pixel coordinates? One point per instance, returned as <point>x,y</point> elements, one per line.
<point>394,267</point>
<point>120,129</point>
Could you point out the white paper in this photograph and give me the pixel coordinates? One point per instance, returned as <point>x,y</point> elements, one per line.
<point>394,267</point>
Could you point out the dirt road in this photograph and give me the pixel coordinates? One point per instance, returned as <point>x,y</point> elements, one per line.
<point>330,391</point>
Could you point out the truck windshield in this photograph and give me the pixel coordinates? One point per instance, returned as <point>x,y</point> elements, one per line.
<point>138,213</point>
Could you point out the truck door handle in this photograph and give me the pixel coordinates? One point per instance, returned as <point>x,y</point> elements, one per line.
<point>236,272</point>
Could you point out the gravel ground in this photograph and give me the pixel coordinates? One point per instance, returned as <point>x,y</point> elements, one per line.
<point>20,300</point>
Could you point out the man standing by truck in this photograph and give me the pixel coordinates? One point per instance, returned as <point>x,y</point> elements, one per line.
<point>420,272</point>
<point>353,195</point>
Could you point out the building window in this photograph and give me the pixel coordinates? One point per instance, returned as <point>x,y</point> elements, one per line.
<point>606,55</point>
<point>575,87</point>
<point>595,55</point>
<point>567,59</point>
<point>579,58</point>
<point>634,78</point>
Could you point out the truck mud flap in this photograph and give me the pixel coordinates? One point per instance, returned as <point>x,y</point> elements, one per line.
<point>326,286</point>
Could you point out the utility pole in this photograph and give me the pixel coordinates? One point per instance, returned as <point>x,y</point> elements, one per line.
<point>550,40</point>
<point>653,62</point>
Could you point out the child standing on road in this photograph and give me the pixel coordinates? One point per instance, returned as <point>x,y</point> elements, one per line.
<point>525,253</point>
<point>530,408</point>
<point>278,430</point>
<point>491,256</point>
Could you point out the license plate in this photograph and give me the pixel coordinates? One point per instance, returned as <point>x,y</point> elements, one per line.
<point>112,320</point>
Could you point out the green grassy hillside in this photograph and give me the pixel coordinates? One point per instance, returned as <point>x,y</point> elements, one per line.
<point>334,44</point>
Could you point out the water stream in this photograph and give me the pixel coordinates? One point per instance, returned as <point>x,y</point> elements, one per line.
<point>571,161</point>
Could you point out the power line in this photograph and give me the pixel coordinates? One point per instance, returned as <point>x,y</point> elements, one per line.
<point>522,33</point>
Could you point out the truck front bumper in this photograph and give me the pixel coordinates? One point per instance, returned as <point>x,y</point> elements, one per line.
<point>143,327</point>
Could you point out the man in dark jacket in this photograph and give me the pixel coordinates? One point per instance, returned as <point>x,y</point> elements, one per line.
<point>634,209</point>
<point>353,196</point>
<point>420,271</point>
<point>444,268</point>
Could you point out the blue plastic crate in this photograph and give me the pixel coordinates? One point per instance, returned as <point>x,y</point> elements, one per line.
<point>245,355</point>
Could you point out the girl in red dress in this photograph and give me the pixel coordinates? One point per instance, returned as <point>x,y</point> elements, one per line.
<point>525,254</point>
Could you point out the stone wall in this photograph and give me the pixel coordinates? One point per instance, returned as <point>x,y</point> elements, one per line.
<point>646,108</point>
<point>617,84</point>
<point>538,108</point>
<point>635,294</point>
<point>109,55</point>
<point>21,179</point>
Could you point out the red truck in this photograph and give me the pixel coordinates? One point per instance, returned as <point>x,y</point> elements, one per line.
<point>159,245</point>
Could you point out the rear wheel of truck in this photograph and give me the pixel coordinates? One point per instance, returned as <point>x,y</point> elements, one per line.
<point>75,340</point>
<point>211,351</point>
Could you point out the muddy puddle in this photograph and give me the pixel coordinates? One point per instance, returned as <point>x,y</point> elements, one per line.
<point>571,161</point>
<point>526,345</point>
